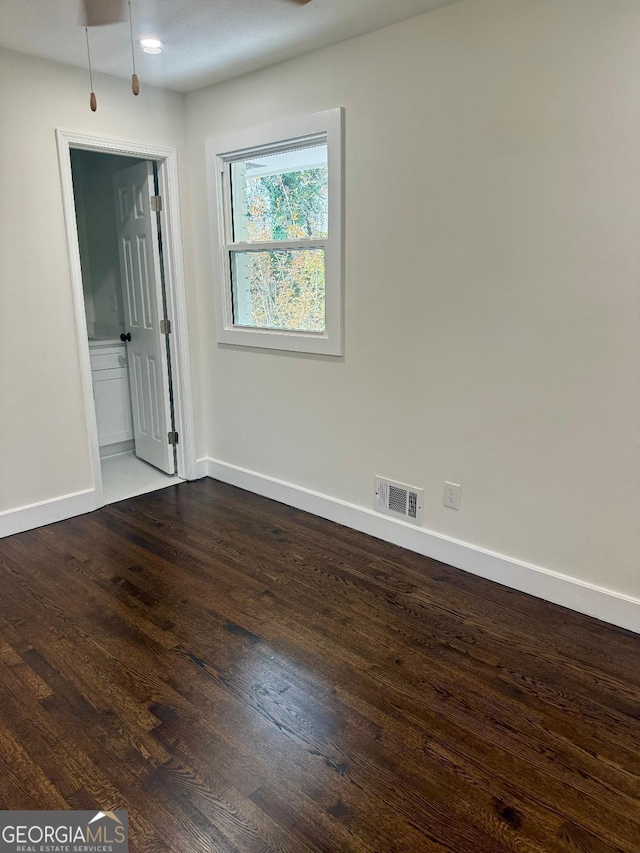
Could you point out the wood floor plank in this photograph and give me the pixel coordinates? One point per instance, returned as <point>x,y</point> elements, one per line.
<point>245,677</point>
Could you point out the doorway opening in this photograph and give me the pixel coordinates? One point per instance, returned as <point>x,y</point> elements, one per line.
<point>126,267</point>
<point>120,241</point>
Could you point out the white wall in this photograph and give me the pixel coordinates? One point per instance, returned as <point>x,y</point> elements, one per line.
<point>492,292</point>
<point>42,426</point>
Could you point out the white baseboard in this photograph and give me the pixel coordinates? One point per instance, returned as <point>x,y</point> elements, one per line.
<point>57,509</point>
<point>202,468</point>
<point>608,605</point>
<point>47,512</point>
<point>613,607</point>
<point>117,448</point>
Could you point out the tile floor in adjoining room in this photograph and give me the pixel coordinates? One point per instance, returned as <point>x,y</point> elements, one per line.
<point>126,476</point>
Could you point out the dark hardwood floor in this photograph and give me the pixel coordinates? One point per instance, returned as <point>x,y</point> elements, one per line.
<point>242,676</point>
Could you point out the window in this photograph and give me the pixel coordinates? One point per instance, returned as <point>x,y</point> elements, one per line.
<point>276,211</point>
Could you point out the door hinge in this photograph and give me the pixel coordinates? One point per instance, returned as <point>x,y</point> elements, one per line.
<point>156,203</point>
<point>173,438</point>
<point>165,327</point>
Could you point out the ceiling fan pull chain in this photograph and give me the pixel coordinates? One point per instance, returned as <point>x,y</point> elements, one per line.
<point>135,83</point>
<point>93,101</point>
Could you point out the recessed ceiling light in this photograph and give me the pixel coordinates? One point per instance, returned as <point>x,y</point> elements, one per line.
<point>150,45</point>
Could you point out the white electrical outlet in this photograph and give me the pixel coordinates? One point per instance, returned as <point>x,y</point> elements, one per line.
<point>452,495</point>
<point>113,299</point>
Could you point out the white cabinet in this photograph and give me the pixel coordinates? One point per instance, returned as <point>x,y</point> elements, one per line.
<point>110,374</point>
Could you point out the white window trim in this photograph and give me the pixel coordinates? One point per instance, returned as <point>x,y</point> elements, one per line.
<point>223,150</point>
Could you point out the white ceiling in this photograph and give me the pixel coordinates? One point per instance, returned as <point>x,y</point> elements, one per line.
<point>206,41</point>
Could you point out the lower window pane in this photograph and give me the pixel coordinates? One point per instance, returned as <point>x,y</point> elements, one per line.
<point>281,289</point>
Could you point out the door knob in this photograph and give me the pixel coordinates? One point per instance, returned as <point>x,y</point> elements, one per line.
<point>124,338</point>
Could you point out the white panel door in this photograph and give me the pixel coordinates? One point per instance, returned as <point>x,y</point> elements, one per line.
<point>143,309</point>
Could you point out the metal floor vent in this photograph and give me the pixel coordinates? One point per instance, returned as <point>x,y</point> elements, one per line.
<point>399,501</point>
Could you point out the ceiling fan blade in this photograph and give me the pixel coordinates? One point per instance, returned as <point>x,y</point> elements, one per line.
<point>100,12</point>
<point>302,2</point>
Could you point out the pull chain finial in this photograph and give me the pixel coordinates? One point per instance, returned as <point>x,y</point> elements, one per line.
<point>93,101</point>
<point>135,83</point>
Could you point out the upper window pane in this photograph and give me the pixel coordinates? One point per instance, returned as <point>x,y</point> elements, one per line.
<point>281,196</point>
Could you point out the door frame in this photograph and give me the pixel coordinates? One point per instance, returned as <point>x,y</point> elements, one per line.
<point>175,286</point>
